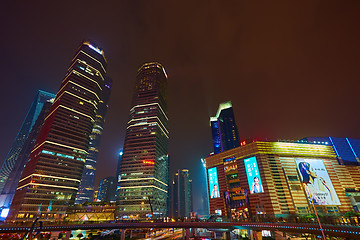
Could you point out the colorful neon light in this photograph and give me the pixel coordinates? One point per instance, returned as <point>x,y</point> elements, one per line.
<point>151,162</point>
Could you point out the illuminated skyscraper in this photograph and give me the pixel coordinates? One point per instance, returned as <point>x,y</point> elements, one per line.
<point>144,168</point>
<point>346,149</point>
<point>32,115</point>
<point>52,175</point>
<point>223,127</point>
<point>20,151</point>
<point>181,194</point>
<point>118,173</point>
<point>107,189</point>
<point>87,184</point>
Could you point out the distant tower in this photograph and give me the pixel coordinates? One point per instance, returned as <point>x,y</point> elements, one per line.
<point>87,184</point>
<point>32,115</point>
<point>118,173</point>
<point>223,127</point>
<point>20,151</point>
<point>144,169</point>
<point>52,175</point>
<point>107,189</point>
<point>181,194</point>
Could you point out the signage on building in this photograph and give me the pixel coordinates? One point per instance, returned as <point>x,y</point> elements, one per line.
<point>229,159</point>
<point>316,182</point>
<point>213,183</point>
<point>253,175</point>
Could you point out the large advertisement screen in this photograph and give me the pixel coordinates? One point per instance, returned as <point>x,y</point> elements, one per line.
<point>316,182</point>
<point>253,175</point>
<point>213,183</point>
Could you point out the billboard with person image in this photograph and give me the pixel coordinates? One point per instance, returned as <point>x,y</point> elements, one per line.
<point>316,181</point>
<point>213,183</point>
<point>253,175</point>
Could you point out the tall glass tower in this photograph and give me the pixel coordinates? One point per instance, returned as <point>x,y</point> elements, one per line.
<point>52,175</point>
<point>107,189</point>
<point>181,194</point>
<point>223,127</point>
<point>19,152</point>
<point>144,168</point>
<point>87,184</point>
<point>32,115</point>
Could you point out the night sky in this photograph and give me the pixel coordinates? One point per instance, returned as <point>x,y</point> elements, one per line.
<point>290,68</point>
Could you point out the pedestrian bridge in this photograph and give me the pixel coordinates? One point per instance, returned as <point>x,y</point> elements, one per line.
<point>352,232</point>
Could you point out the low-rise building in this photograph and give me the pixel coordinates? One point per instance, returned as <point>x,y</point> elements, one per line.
<point>280,179</point>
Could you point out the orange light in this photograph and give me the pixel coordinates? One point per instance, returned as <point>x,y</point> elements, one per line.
<point>151,162</point>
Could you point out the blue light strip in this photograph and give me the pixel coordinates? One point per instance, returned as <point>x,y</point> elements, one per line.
<point>351,147</point>
<point>332,143</point>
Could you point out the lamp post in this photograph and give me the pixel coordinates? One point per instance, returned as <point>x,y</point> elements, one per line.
<point>312,202</point>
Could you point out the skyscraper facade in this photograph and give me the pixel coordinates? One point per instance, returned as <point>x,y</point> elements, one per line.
<point>346,149</point>
<point>107,189</point>
<point>181,194</point>
<point>30,119</point>
<point>87,184</point>
<point>223,128</point>
<point>52,175</point>
<point>21,157</point>
<point>144,169</point>
<point>118,173</point>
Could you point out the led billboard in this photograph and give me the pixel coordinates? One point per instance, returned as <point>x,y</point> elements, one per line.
<point>213,183</point>
<point>316,182</point>
<point>253,175</point>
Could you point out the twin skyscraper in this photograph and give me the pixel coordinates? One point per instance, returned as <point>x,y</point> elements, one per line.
<point>60,160</point>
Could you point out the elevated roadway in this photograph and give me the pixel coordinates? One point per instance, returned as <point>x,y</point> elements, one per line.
<point>352,232</point>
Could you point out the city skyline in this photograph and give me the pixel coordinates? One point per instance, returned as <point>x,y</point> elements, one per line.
<point>290,69</point>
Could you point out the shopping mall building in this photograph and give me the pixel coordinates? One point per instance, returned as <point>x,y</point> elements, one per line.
<point>280,179</point>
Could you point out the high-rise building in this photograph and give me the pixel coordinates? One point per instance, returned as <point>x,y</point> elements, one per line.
<point>21,157</point>
<point>144,170</point>
<point>52,175</point>
<point>87,184</point>
<point>181,194</point>
<point>223,128</point>
<point>346,149</point>
<point>107,189</point>
<point>118,173</point>
<point>30,119</point>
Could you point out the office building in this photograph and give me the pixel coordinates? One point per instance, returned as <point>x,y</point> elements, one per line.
<point>276,179</point>
<point>181,194</point>
<point>223,128</point>
<point>118,173</point>
<point>52,175</point>
<point>107,189</point>
<point>346,149</point>
<point>22,156</point>
<point>144,169</point>
<point>87,184</point>
<point>30,119</point>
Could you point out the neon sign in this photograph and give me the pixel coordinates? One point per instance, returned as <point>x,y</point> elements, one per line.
<point>149,162</point>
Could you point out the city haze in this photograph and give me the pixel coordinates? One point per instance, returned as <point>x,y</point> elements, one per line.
<point>291,69</point>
